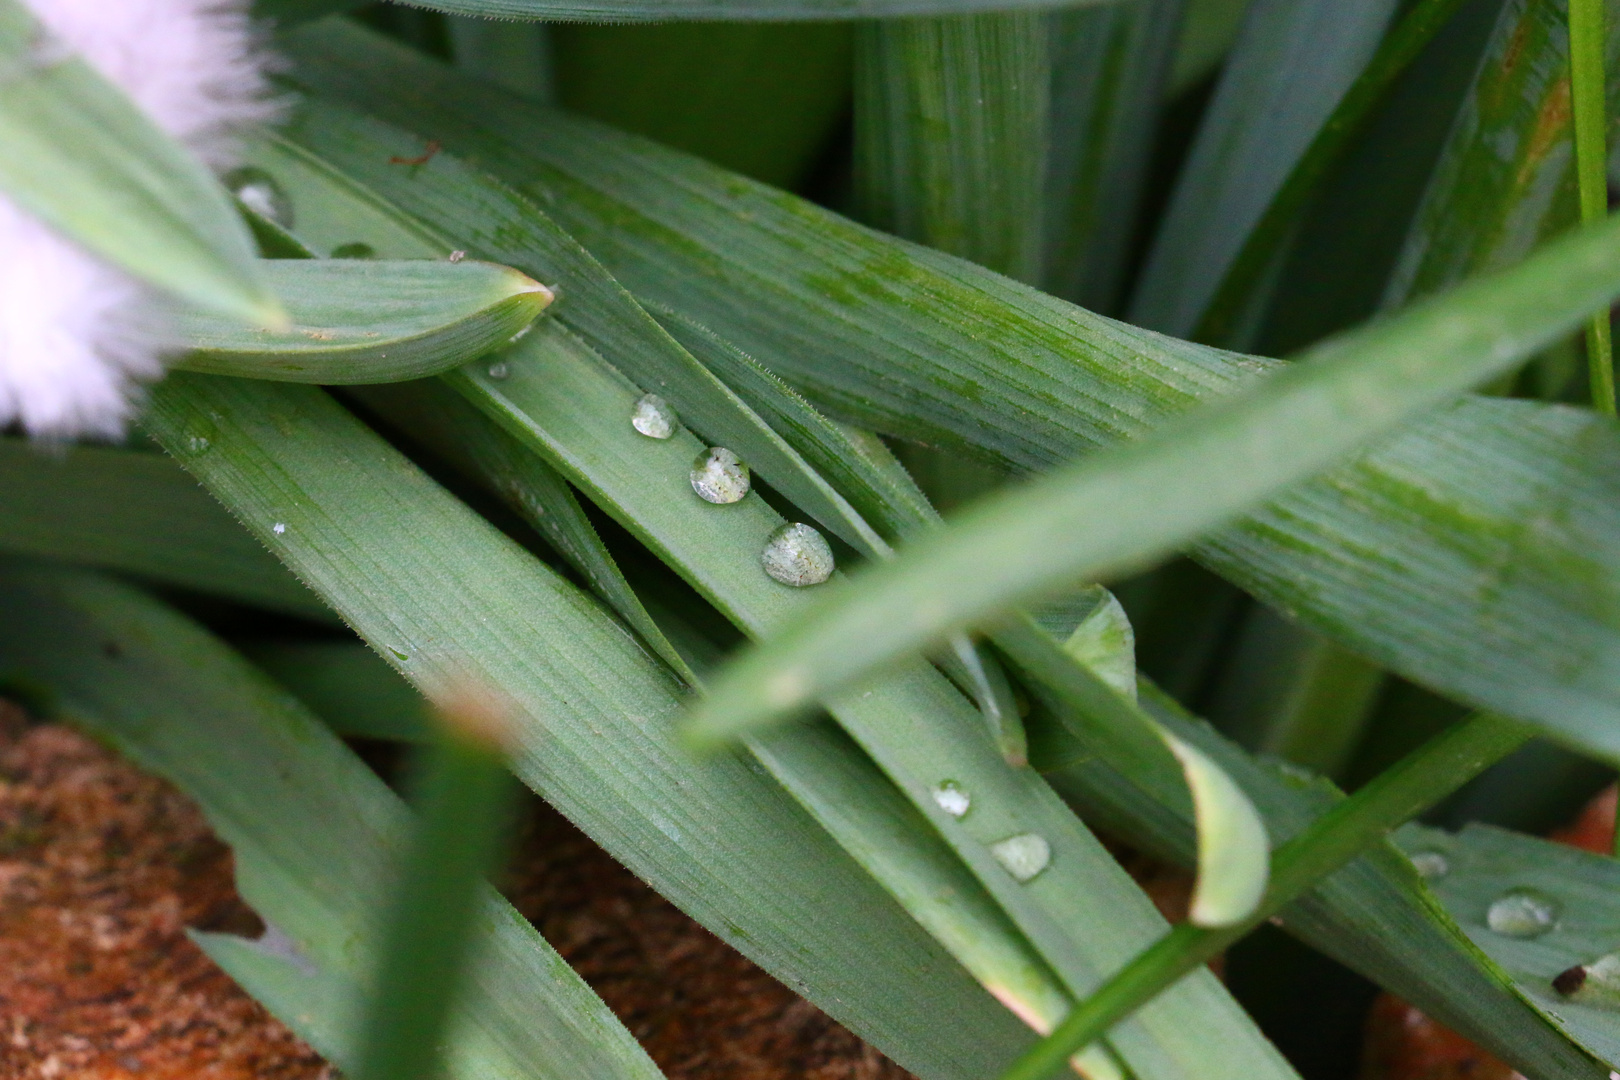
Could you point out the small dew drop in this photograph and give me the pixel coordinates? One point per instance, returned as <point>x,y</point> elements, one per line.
<point>258,191</point>
<point>952,799</point>
<point>797,555</point>
<point>1023,856</point>
<point>719,476</point>
<point>653,417</point>
<point>1521,913</point>
<point>279,527</point>
<point>1431,865</point>
<point>499,370</point>
<point>457,256</point>
<point>197,444</point>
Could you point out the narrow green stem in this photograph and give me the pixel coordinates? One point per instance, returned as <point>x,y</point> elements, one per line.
<point>1586,39</point>
<point>1245,272</point>
<point>463,791</point>
<point>1427,775</point>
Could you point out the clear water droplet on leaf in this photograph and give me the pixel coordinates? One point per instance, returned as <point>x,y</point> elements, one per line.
<point>719,476</point>
<point>1023,856</point>
<point>653,417</point>
<point>258,191</point>
<point>797,555</point>
<point>952,799</point>
<point>498,370</point>
<point>1431,865</point>
<point>1521,913</point>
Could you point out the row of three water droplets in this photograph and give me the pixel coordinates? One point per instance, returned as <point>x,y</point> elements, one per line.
<point>795,554</point>
<point>798,555</point>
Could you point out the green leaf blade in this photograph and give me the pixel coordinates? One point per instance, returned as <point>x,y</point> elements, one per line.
<point>1077,524</point>
<point>364,321</point>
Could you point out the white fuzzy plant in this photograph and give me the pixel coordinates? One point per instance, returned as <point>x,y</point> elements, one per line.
<point>78,336</point>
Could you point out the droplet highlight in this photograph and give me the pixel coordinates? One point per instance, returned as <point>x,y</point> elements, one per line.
<point>653,417</point>
<point>1521,913</point>
<point>1023,856</point>
<point>719,476</point>
<point>952,799</point>
<point>797,555</point>
<point>258,191</point>
<point>498,370</point>
<point>279,527</point>
<point>1430,865</point>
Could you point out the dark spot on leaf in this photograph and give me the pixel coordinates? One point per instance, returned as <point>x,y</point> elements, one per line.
<point>1570,980</point>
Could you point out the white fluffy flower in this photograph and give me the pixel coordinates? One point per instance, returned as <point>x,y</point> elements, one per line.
<point>75,336</point>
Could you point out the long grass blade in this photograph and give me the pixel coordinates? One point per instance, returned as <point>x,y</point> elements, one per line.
<point>1505,181</point>
<point>81,157</point>
<point>950,134</point>
<point>1417,782</point>
<point>425,947</point>
<point>312,829</point>
<point>441,420</point>
<point>1090,520</point>
<point>925,347</point>
<point>1110,71</point>
<point>360,321</point>
<point>140,514</point>
<point>1564,901</point>
<point>1373,916</point>
<point>549,392</point>
<point>446,599</point>
<point>1586,46</point>
<point>1243,276</point>
<point>1293,63</point>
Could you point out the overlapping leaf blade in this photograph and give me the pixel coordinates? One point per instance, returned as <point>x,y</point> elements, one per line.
<point>1481,865</point>
<point>950,134</point>
<point>1110,69</point>
<point>1091,520</point>
<point>921,345</point>
<point>446,599</point>
<point>1291,64</point>
<point>1506,177</point>
<point>361,321</point>
<point>138,513</point>
<point>557,394</point>
<point>1374,916</point>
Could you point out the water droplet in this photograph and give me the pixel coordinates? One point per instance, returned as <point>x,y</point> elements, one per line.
<point>279,527</point>
<point>797,555</point>
<point>1431,865</point>
<point>457,256</point>
<point>258,191</point>
<point>952,799</point>
<point>498,370</point>
<point>653,417</point>
<point>1521,913</point>
<point>719,476</point>
<point>520,335</point>
<point>1023,856</point>
<point>197,444</point>
<point>355,250</point>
